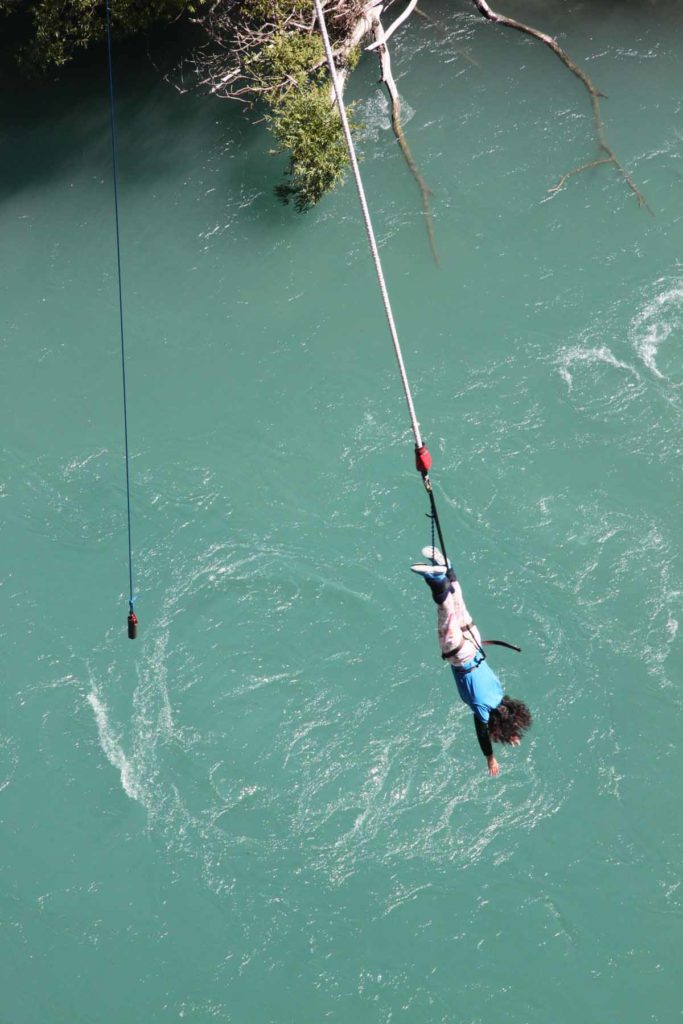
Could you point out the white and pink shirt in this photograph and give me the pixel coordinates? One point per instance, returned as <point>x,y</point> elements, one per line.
<point>452,617</point>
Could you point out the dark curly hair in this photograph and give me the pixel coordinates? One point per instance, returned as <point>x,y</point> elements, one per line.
<point>509,719</point>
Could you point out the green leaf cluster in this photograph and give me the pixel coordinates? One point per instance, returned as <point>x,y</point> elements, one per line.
<point>285,62</point>
<point>291,75</point>
<point>307,126</point>
<point>276,12</point>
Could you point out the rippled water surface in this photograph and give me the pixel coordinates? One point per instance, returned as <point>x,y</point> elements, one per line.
<point>271,807</point>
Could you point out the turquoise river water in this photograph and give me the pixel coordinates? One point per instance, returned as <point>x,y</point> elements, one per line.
<point>271,808</point>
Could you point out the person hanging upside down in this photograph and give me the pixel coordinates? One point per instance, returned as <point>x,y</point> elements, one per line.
<point>497,718</point>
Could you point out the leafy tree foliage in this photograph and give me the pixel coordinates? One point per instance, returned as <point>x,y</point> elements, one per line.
<point>263,52</point>
<point>61,27</point>
<point>307,126</point>
<point>290,75</point>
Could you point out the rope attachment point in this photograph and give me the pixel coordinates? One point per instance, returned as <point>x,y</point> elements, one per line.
<point>423,460</point>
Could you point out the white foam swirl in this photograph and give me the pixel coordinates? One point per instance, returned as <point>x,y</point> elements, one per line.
<point>659,320</point>
<point>589,356</point>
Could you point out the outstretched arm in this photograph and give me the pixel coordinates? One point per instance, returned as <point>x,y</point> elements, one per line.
<point>485,744</point>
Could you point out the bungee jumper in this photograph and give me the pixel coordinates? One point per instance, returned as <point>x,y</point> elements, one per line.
<point>497,718</point>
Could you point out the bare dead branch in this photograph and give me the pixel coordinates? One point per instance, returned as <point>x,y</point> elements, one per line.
<point>396,24</point>
<point>595,95</point>
<point>395,101</point>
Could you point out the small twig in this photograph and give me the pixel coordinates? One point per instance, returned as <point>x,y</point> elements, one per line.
<point>612,158</point>
<point>421,14</point>
<point>577,170</point>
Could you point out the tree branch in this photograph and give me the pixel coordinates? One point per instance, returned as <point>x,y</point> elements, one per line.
<point>392,28</point>
<point>395,101</point>
<point>595,95</point>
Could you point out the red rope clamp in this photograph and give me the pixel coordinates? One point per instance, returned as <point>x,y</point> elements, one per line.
<point>132,625</point>
<point>423,460</point>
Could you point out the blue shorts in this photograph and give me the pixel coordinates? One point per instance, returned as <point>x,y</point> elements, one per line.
<point>478,685</point>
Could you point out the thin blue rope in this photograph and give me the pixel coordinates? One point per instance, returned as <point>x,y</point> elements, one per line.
<point>118,265</point>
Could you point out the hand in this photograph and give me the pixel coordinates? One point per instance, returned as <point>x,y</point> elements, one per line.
<point>493,765</point>
<point>515,741</point>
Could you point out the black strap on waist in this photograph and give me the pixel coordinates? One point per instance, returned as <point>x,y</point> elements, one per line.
<point>456,650</point>
<point>485,643</point>
<point>502,643</point>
